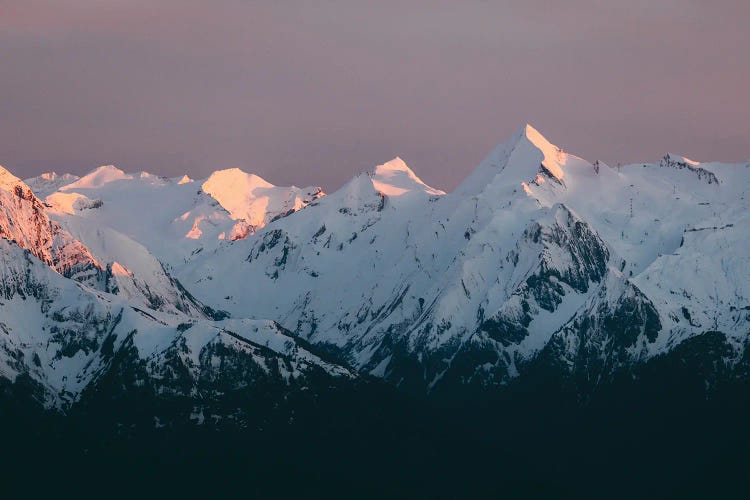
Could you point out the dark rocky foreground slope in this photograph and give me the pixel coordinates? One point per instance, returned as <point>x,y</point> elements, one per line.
<point>652,432</point>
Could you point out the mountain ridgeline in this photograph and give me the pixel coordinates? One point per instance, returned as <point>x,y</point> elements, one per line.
<point>545,294</point>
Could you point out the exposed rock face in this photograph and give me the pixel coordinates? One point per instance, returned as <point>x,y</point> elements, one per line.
<point>23,219</point>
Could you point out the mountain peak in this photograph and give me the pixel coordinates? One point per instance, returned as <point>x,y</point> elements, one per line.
<point>252,198</point>
<point>13,184</point>
<point>529,148</point>
<point>49,182</point>
<point>395,178</point>
<point>98,177</point>
<point>534,136</point>
<point>554,158</point>
<point>681,159</point>
<point>521,159</point>
<point>394,165</point>
<point>9,181</point>
<point>234,178</point>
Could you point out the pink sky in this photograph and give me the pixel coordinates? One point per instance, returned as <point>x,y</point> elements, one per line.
<point>313,92</point>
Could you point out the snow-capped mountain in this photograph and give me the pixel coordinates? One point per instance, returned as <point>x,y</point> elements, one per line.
<point>425,288</point>
<point>540,262</point>
<point>252,199</point>
<point>173,218</point>
<point>49,182</point>
<point>74,314</point>
<point>23,220</point>
<point>62,336</point>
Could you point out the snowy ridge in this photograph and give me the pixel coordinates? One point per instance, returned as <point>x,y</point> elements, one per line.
<point>253,199</point>
<point>463,275</point>
<point>11,183</point>
<point>539,258</point>
<point>97,178</point>
<point>64,336</point>
<point>185,217</point>
<point>396,179</point>
<point>49,182</point>
<point>67,310</point>
<point>23,219</point>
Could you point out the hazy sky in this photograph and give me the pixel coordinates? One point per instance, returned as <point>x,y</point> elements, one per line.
<point>313,92</point>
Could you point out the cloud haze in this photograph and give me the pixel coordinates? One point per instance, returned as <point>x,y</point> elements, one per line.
<point>313,92</point>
